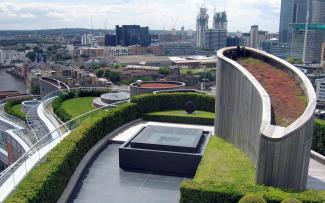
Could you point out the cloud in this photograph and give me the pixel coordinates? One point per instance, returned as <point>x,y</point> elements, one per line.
<point>157,14</point>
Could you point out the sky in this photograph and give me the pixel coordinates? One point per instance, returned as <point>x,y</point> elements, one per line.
<point>157,14</point>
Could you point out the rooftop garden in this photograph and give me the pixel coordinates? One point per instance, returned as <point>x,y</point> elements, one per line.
<point>226,174</point>
<point>287,98</point>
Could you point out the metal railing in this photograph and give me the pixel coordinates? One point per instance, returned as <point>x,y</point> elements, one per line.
<point>12,175</point>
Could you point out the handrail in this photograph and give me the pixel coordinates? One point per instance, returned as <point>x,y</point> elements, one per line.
<point>15,172</point>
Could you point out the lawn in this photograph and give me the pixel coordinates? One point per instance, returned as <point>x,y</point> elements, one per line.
<point>226,174</point>
<point>78,106</point>
<point>16,111</point>
<point>223,162</point>
<point>180,116</point>
<point>182,113</point>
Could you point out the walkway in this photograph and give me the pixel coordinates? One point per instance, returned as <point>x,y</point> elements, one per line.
<point>104,181</point>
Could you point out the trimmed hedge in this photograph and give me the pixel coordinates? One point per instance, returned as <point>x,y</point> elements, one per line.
<point>46,182</point>
<point>319,137</point>
<point>226,174</point>
<point>291,200</point>
<point>166,101</point>
<point>213,191</point>
<point>251,198</point>
<point>161,117</point>
<point>9,110</point>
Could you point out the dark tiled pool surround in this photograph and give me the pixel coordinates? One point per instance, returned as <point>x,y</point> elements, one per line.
<point>164,150</point>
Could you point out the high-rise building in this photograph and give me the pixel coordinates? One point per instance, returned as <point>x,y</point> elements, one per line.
<point>110,40</point>
<point>129,35</point>
<point>295,11</point>
<point>318,12</point>
<point>314,40</point>
<point>254,37</point>
<point>215,39</point>
<point>201,27</point>
<point>220,21</point>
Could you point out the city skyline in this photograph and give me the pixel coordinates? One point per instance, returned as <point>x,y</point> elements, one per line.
<point>158,15</point>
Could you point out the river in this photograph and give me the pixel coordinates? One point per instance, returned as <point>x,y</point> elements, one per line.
<point>9,82</point>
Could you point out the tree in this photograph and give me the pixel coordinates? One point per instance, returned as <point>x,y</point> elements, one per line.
<point>164,71</point>
<point>208,76</point>
<point>114,76</point>
<point>38,50</point>
<point>294,60</point>
<point>31,55</point>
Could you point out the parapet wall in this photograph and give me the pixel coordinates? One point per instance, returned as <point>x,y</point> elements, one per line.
<point>281,154</point>
<point>48,85</point>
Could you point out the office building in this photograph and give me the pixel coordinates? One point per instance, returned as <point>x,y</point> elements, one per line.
<point>220,21</point>
<point>215,39</point>
<point>295,11</point>
<point>233,41</point>
<point>254,39</point>
<point>110,40</point>
<point>314,40</point>
<point>201,27</point>
<point>320,90</point>
<point>129,35</point>
<point>318,12</point>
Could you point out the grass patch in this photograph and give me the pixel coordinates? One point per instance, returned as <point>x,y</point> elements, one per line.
<point>78,106</point>
<point>15,109</point>
<point>223,162</point>
<point>180,116</point>
<point>226,174</point>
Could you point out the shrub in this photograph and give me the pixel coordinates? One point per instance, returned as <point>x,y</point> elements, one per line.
<point>165,101</point>
<point>252,198</point>
<point>46,182</point>
<point>14,112</point>
<point>319,137</point>
<point>178,119</point>
<point>291,200</point>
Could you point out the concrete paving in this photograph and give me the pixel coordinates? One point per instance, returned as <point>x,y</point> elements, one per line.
<point>104,181</point>
<point>316,175</point>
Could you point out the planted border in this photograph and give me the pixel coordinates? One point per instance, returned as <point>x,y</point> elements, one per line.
<point>163,116</point>
<point>9,110</point>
